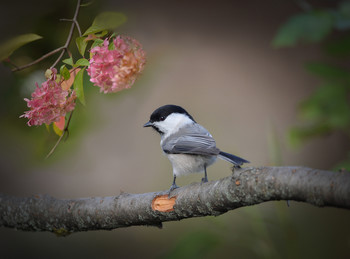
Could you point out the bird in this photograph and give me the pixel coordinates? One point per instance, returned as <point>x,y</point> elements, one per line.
<point>187,144</point>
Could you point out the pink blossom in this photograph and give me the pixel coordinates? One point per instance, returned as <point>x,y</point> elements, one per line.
<point>49,102</point>
<point>116,69</point>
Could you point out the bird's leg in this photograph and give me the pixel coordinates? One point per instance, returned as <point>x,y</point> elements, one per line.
<point>173,186</point>
<point>205,179</point>
<point>234,167</point>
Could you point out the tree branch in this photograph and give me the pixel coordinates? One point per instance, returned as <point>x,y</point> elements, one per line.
<point>245,187</point>
<point>63,48</point>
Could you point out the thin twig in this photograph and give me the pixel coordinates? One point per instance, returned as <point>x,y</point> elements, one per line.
<point>78,27</point>
<point>65,130</point>
<point>59,57</point>
<point>37,60</point>
<point>66,20</point>
<point>70,117</point>
<point>74,22</point>
<point>55,146</point>
<point>8,60</point>
<point>63,48</point>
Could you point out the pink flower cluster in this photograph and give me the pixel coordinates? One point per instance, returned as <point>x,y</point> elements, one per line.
<point>49,102</point>
<point>117,68</point>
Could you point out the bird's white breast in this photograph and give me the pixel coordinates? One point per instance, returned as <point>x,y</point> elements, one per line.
<point>185,164</point>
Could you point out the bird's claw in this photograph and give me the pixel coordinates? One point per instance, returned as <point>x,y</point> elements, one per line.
<point>204,180</point>
<point>172,187</point>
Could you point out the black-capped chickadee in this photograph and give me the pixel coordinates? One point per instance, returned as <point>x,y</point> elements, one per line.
<point>189,146</point>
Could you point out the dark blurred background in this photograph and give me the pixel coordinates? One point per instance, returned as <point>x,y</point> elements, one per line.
<point>217,60</point>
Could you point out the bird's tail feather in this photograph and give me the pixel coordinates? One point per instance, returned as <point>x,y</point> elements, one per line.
<point>237,161</point>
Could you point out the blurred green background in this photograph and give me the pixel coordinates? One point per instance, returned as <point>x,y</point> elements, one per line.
<point>220,61</point>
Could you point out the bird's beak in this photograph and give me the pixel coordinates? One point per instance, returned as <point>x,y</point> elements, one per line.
<point>148,124</point>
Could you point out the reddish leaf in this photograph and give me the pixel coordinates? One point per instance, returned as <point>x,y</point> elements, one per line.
<point>60,124</point>
<point>66,84</point>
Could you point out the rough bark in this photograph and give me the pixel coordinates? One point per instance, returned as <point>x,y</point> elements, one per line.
<point>245,187</point>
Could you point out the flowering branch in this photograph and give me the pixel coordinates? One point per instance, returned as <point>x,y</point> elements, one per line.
<point>115,63</point>
<point>247,186</point>
<point>64,48</point>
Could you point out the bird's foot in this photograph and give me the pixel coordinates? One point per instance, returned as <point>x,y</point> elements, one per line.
<point>172,187</point>
<point>204,180</point>
<point>235,167</point>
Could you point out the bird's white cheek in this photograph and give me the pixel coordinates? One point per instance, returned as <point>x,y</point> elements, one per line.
<point>172,124</point>
<point>161,127</point>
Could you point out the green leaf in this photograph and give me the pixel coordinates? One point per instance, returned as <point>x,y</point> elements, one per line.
<point>82,62</point>
<point>97,43</point>
<point>87,4</point>
<point>47,126</point>
<point>57,130</point>
<point>113,35</point>
<point>8,47</point>
<point>111,46</point>
<point>101,34</point>
<point>308,27</point>
<point>64,72</point>
<point>106,21</point>
<point>68,61</point>
<point>327,71</point>
<point>78,86</point>
<point>81,44</point>
<point>297,136</point>
<point>329,104</point>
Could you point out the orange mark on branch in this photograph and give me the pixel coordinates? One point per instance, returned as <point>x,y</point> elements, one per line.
<point>238,182</point>
<point>163,203</point>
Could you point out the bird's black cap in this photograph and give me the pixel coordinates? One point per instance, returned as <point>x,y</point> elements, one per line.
<point>163,112</point>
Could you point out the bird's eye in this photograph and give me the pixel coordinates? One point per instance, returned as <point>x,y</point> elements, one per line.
<point>162,118</point>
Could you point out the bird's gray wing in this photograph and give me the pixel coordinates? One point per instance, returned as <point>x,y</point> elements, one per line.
<point>194,140</point>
